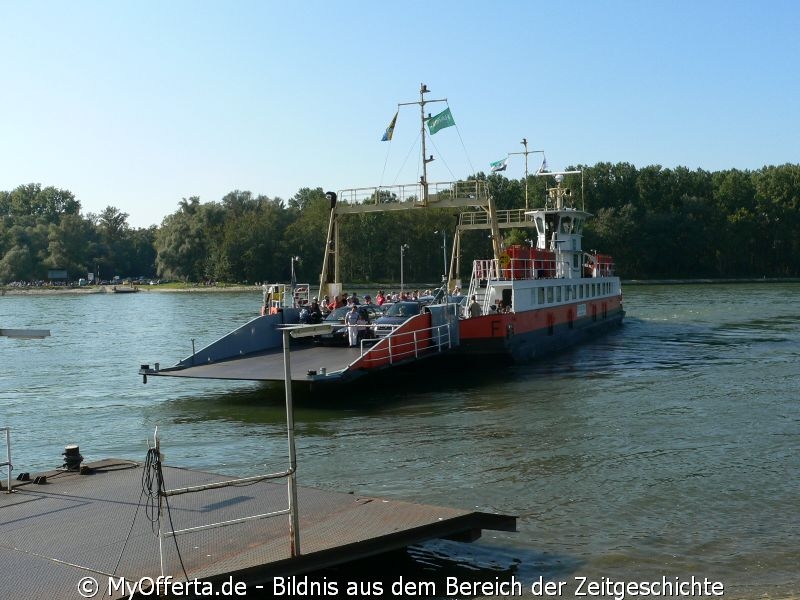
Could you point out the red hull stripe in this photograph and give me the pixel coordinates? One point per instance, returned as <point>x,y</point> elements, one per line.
<point>497,325</point>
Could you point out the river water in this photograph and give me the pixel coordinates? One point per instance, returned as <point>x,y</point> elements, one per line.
<point>667,449</point>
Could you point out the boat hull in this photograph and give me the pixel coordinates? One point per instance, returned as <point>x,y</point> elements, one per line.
<point>534,334</point>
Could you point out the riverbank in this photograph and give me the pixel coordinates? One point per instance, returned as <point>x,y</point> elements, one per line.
<point>107,289</point>
<point>197,288</point>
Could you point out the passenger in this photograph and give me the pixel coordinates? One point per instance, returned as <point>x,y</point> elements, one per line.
<point>364,331</point>
<point>304,315</point>
<point>315,313</point>
<point>475,308</point>
<point>354,299</point>
<point>380,299</point>
<point>326,306</point>
<point>351,320</point>
<point>367,299</point>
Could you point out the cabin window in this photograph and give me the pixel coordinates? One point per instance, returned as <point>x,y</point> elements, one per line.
<point>549,294</point>
<point>541,295</point>
<point>558,293</point>
<point>575,292</point>
<point>566,225</point>
<point>580,289</point>
<point>540,225</point>
<point>566,293</point>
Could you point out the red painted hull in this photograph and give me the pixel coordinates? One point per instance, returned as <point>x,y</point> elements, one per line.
<point>529,334</point>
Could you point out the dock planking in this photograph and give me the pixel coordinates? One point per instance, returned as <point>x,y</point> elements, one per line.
<point>101,525</point>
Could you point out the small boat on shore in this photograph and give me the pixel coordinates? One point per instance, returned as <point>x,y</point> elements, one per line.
<point>124,289</point>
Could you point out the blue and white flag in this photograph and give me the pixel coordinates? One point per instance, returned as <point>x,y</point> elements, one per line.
<point>543,168</point>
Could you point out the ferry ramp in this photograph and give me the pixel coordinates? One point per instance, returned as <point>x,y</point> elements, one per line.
<point>427,335</point>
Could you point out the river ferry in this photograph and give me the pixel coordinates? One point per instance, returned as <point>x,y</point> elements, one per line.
<point>522,302</point>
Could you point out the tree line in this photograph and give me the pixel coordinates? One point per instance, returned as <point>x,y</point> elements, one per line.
<point>656,223</point>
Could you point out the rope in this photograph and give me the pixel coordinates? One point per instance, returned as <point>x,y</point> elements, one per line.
<point>153,487</point>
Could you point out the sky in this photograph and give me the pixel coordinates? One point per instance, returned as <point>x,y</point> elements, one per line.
<point>138,105</point>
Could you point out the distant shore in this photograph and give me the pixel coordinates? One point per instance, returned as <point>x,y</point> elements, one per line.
<point>199,289</point>
<point>108,289</point>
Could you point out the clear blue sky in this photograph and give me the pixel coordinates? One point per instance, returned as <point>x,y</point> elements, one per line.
<point>140,104</point>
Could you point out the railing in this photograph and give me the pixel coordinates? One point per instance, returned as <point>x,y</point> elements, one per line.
<point>513,268</point>
<point>8,456</point>
<point>403,345</point>
<point>504,217</point>
<point>280,295</point>
<point>413,192</point>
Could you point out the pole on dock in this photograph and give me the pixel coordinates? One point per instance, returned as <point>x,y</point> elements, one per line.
<point>294,521</point>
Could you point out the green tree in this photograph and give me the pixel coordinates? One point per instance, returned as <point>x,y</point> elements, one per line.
<point>180,243</point>
<point>70,244</point>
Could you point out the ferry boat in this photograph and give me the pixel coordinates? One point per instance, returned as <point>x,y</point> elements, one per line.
<point>522,302</point>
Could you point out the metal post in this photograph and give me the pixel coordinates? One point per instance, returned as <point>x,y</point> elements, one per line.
<point>525,144</point>
<point>403,249</point>
<point>157,443</point>
<point>294,521</point>
<point>423,89</point>
<point>444,252</point>
<point>295,259</point>
<point>8,453</point>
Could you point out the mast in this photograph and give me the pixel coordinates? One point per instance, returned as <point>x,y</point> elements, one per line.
<point>524,143</point>
<point>423,89</point>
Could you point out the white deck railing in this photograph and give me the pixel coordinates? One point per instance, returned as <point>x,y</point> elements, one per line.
<point>8,456</point>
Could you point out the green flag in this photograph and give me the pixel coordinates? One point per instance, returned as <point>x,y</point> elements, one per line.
<point>440,121</point>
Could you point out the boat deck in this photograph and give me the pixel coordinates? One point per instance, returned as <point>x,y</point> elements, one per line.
<point>268,366</point>
<point>74,526</point>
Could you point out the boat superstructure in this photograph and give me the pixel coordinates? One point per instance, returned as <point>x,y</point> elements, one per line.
<point>538,298</point>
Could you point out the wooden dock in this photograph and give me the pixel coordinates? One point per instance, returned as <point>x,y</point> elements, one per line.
<point>99,525</point>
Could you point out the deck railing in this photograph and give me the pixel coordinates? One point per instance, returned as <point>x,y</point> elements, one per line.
<point>437,191</point>
<point>8,456</point>
<point>404,345</point>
